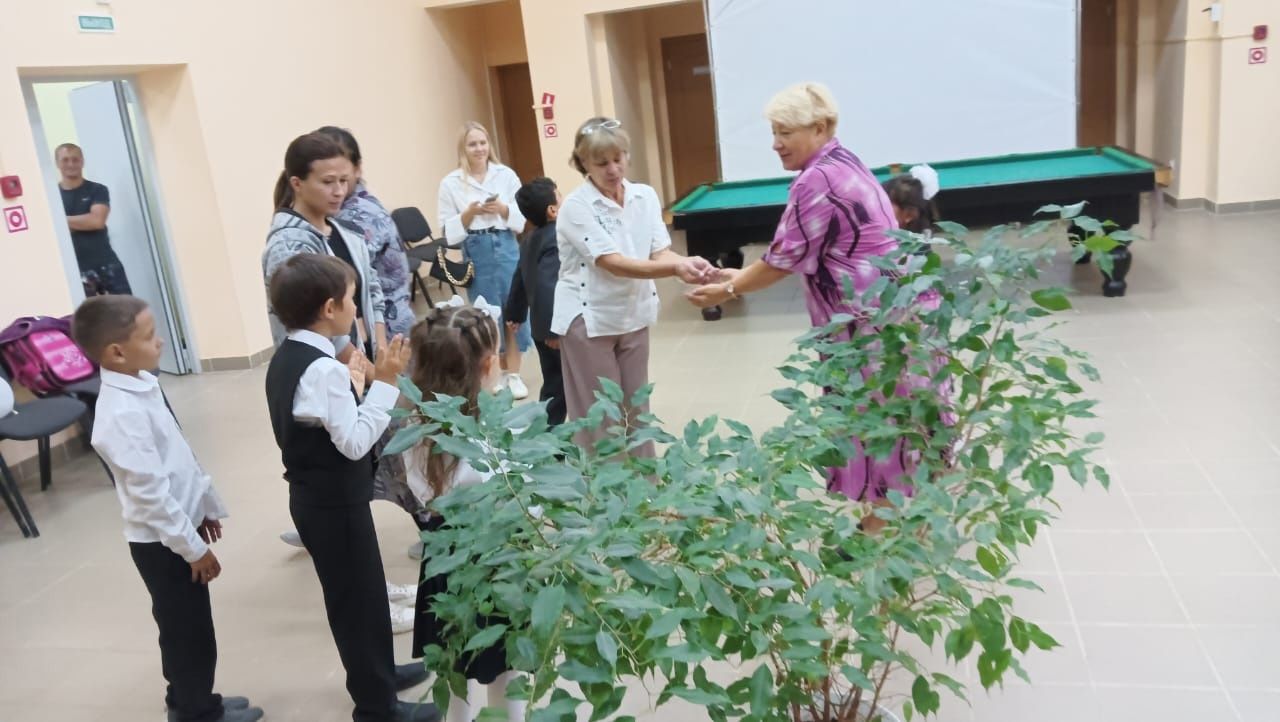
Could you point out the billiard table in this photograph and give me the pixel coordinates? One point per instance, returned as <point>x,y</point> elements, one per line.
<point>719,218</point>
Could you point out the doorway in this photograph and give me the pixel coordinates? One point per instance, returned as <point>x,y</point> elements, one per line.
<point>690,111</point>
<point>522,148</point>
<point>104,118</point>
<point>1096,119</point>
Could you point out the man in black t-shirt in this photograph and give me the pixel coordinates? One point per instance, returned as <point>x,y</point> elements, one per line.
<point>87,205</point>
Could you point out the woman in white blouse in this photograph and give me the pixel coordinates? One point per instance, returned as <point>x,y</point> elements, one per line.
<point>478,212</point>
<point>613,242</point>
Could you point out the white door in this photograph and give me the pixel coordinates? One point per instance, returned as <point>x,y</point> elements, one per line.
<point>106,134</point>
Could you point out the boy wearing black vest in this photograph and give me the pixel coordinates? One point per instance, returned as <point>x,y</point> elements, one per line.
<point>326,436</point>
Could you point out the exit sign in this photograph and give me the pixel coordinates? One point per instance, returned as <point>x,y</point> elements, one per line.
<point>96,23</point>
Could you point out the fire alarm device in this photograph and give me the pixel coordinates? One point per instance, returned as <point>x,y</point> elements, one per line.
<point>1259,32</point>
<point>11,186</point>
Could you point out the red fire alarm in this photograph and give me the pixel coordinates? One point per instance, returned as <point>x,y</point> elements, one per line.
<point>11,186</point>
<point>1259,32</point>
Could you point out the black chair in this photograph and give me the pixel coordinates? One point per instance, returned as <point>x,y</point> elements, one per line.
<point>34,421</point>
<point>419,245</point>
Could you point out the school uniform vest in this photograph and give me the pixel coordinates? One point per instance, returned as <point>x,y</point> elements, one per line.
<point>318,474</point>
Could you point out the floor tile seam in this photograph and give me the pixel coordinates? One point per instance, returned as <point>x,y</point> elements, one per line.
<point>1186,612</point>
<point>1253,539</point>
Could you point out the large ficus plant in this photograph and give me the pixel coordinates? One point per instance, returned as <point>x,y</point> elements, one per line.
<point>602,569</point>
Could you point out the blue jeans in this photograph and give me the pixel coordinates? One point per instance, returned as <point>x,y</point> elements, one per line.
<point>496,254</point>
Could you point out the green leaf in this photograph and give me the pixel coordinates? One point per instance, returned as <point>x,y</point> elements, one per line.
<point>663,626</point>
<point>1040,638</point>
<point>1018,635</point>
<point>607,647</point>
<point>991,561</point>
<point>547,607</point>
<point>992,665</point>
<point>1051,299</point>
<point>406,438</point>
<point>575,671</point>
<point>718,598</point>
<point>908,711</point>
<point>960,642</point>
<point>1100,244</point>
<point>486,637</point>
<point>761,690</point>
<point>926,700</point>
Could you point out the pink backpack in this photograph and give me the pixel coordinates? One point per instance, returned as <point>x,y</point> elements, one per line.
<point>40,354</point>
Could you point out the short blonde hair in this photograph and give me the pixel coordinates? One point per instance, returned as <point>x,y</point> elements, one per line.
<point>595,139</point>
<point>803,105</point>
<point>467,127</point>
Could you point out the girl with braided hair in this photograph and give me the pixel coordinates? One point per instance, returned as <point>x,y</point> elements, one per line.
<point>455,352</point>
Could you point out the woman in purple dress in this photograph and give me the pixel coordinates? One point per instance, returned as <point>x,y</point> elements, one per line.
<point>835,222</point>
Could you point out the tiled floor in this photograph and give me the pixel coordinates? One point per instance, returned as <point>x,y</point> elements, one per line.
<point>1165,592</point>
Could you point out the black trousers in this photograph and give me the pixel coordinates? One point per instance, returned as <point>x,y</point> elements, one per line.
<point>552,383</point>
<point>108,278</point>
<point>344,548</point>
<point>188,650</point>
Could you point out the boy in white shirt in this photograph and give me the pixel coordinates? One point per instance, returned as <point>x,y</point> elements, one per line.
<point>171,511</point>
<point>326,436</point>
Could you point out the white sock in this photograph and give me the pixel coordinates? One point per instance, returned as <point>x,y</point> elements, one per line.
<point>460,707</point>
<point>498,696</point>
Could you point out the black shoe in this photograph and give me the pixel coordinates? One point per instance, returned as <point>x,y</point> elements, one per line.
<point>414,712</point>
<point>229,704</point>
<point>410,675</point>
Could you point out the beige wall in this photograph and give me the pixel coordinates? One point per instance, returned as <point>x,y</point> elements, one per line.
<point>1195,101</point>
<point>221,120</point>
<point>223,97</point>
<point>562,42</point>
<point>1248,105</point>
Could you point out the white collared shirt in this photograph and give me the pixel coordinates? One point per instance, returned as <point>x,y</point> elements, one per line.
<point>464,474</point>
<point>323,398</point>
<point>459,190</point>
<point>164,493</point>
<point>590,226</point>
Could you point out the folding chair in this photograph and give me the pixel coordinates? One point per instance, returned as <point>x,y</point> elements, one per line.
<point>414,229</point>
<point>34,421</point>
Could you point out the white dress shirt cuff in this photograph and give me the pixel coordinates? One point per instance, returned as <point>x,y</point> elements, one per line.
<point>382,395</point>
<point>454,233</point>
<point>193,550</point>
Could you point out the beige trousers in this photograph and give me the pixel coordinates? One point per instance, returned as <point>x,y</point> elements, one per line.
<point>623,359</point>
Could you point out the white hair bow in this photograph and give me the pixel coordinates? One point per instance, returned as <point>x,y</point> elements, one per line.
<point>928,178</point>
<point>490,310</point>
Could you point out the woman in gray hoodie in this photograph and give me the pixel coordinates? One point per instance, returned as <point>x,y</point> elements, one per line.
<point>308,197</point>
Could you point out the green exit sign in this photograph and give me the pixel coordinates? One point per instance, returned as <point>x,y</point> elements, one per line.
<point>97,23</point>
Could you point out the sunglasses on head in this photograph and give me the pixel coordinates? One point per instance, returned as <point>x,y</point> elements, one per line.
<point>605,124</point>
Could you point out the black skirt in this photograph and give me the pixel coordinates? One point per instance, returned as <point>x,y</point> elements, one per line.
<point>483,665</point>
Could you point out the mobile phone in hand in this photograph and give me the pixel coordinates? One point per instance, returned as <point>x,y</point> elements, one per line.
<point>491,198</point>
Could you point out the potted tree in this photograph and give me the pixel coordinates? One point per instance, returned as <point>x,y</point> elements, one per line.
<point>608,569</point>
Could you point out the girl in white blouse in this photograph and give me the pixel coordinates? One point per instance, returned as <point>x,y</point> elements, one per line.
<point>613,242</point>
<point>478,212</point>
<point>455,352</point>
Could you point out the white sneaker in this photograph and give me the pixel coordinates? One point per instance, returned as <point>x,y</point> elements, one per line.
<point>402,593</point>
<point>292,538</point>
<point>516,384</point>
<point>401,619</point>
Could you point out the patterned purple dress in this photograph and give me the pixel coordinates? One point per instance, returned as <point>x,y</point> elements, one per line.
<point>834,223</point>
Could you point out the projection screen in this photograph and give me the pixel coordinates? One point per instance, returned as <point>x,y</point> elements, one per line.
<point>916,80</point>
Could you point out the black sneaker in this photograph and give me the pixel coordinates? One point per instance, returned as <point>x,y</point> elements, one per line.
<point>248,714</point>
<point>414,712</point>
<point>410,675</point>
<point>229,704</point>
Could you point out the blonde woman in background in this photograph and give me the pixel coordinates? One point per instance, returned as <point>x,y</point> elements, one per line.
<point>478,213</point>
